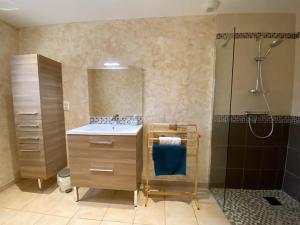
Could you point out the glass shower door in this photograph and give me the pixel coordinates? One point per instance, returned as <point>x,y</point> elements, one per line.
<point>225,44</point>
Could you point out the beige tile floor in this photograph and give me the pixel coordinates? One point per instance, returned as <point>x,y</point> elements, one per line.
<point>24,204</point>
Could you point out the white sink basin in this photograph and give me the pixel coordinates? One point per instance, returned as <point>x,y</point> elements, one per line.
<point>106,129</point>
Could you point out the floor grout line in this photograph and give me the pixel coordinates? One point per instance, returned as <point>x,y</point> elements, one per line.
<point>194,210</point>
<point>165,206</point>
<point>72,217</point>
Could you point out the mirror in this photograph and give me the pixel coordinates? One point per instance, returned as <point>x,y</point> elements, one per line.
<point>116,91</point>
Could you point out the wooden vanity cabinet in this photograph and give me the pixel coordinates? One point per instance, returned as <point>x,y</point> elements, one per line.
<point>106,161</point>
<point>39,116</point>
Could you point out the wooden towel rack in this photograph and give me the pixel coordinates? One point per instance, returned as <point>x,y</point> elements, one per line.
<point>190,137</point>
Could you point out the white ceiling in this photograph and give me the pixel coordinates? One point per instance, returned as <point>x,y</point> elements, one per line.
<point>42,12</point>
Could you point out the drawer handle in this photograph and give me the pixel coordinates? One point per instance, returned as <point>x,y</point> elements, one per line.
<point>27,113</point>
<point>29,125</point>
<point>28,150</point>
<point>101,170</point>
<point>29,138</point>
<point>101,142</point>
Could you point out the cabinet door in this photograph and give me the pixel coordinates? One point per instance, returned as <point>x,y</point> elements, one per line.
<point>51,95</point>
<point>25,87</point>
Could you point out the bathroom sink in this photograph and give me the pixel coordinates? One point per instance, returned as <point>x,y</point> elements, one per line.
<point>106,129</point>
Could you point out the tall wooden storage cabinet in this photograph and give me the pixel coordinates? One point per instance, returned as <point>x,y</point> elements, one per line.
<point>39,116</point>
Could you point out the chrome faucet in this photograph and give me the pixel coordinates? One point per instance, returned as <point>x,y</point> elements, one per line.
<point>115,118</point>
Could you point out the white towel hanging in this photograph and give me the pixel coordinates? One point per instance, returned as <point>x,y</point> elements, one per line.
<point>170,140</point>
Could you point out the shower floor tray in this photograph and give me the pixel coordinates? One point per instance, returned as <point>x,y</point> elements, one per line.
<point>249,207</point>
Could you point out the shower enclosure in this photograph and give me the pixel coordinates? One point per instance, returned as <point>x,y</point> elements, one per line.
<point>225,46</point>
<point>251,127</point>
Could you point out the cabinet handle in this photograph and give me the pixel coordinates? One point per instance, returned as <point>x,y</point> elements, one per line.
<point>29,138</point>
<point>27,113</point>
<point>101,142</point>
<point>29,125</point>
<point>101,170</point>
<point>28,150</point>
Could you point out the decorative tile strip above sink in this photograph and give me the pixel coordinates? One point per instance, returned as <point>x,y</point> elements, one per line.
<point>126,120</point>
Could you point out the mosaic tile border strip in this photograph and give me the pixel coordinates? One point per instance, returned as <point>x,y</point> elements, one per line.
<point>258,119</point>
<point>248,35</point>
<point>125,120</point>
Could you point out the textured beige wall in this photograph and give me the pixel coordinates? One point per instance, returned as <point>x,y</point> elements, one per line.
<point>278,68</point>
<point>116,92</point>
<point>177,55</point>
<point>296,94</point>
<point>8,47</point>
<point>256,22</point>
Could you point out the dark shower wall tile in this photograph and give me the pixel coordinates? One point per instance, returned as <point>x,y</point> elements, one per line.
<point>219,156</point>
<point>236,157</point>
<point>251,179</point>
<point>217,177</point>
<point>248,155</point>
<point>294,136</point>
<point>234,178</point>
<point>282,152</point>
<point>268,179</point>
<point>291,185</point>
<point>279,179</point>
<point>259,129</point>
<point>237,135</point>
<point>253,158</point>
<point>220,133</point>
<point>285,130</point>
<point>270,158</point>
<point>293,161</point>
<point>275,138</point>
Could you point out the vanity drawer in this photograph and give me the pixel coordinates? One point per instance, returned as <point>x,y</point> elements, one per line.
<point>31,155</point>
<point>25,137</point>
<point>107,162</point>
<point>102,155</point>
<point>28,125</point>
<point>103,142</point>
<point>27,114</point>
<point>32,165</point>
<point>96,174</point>
<point>30,147</point>
<point>32,162</point>
<point>27,107</point>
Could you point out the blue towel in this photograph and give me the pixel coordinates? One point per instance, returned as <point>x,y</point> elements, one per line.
<point>169,159</point>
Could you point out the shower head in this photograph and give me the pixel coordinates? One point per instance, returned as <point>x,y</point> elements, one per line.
<point>273,44</point>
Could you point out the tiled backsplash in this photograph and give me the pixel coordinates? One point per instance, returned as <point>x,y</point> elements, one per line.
<point>258,119</point>
<point>127,120</point>
<point>248,35</point>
